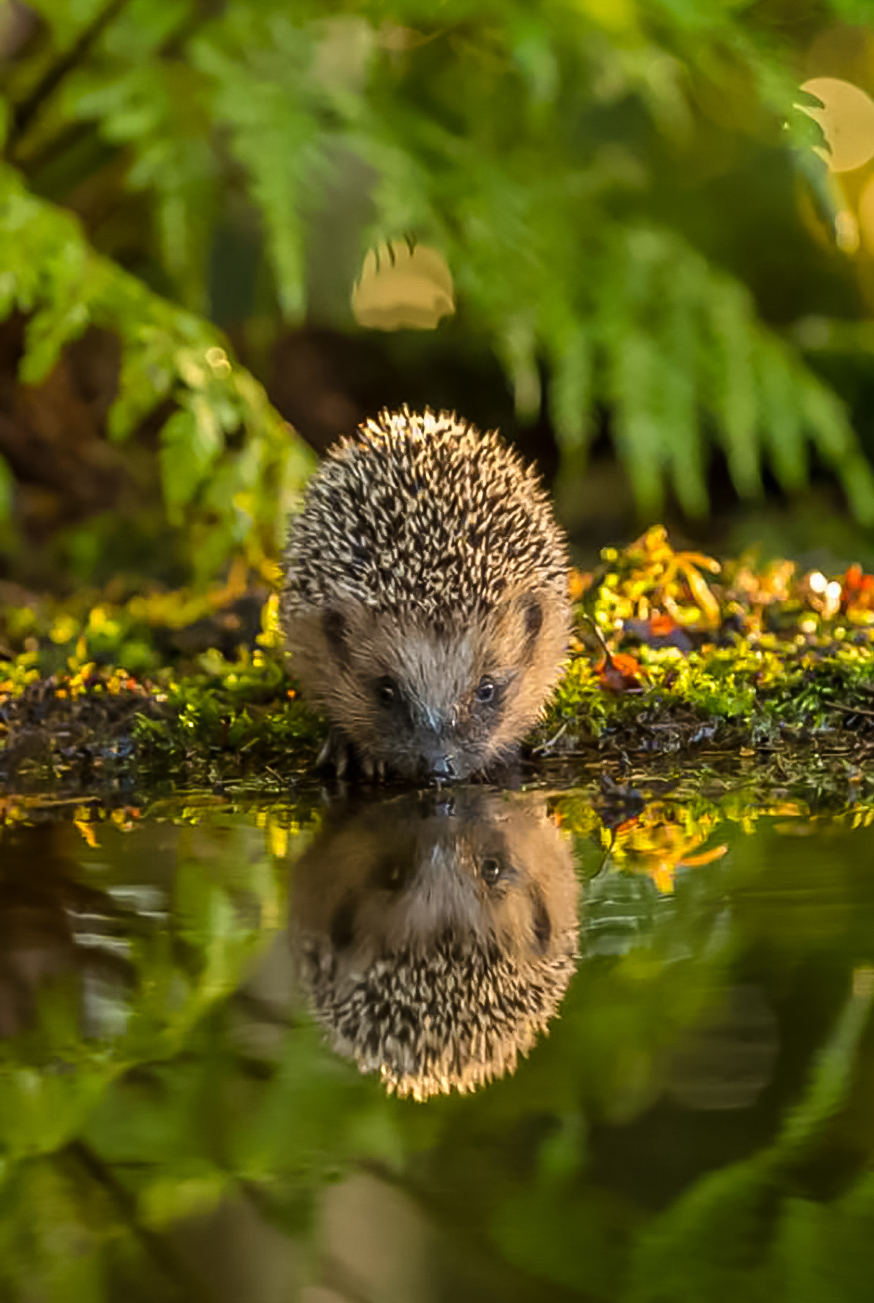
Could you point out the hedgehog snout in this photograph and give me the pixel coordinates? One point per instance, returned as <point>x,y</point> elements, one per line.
<point>437,760</point>
<point>441,768</point>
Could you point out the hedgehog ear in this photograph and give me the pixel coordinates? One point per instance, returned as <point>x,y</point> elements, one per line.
<point>541,924</point>
<point>532,617</point>
<point>335,630</point>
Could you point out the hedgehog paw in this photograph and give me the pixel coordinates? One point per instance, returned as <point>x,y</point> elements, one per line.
<point>337,753</point>
<point>373,770</point>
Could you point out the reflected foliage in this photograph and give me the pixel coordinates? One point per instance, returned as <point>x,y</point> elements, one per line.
<point>697,1122</point>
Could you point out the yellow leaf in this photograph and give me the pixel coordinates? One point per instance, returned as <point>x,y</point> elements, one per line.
<point>706,857</point>
<point>87,832</point>
<point>277,838</point>
<point>663,877</point>
<point>703,596</point>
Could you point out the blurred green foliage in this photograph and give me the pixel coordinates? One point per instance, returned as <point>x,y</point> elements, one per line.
<point>229,497</point>
<point>606,180</point>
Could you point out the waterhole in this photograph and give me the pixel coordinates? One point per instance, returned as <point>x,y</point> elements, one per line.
<point>577,1043</point>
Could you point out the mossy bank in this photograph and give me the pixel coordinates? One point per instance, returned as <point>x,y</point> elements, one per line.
<point>676,661</point>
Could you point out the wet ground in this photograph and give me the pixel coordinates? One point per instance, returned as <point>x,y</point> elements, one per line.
<point>603,1043</point>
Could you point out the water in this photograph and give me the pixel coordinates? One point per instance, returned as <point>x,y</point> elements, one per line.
<point>240,1057</point>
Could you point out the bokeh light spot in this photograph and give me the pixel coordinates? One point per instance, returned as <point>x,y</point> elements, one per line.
<point>403,288</point>
<point>847,121</point>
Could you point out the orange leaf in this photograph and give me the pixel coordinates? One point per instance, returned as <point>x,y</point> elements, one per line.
<point>619,673</point>
<point>578,583</point>
<point>661,624</point>
<point>858,587</point>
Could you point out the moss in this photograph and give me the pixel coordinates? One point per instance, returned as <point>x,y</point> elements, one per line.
<point>675,652</point>
<point>672,656</point>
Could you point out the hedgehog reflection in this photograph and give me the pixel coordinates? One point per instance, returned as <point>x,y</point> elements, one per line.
<point>437,938</point>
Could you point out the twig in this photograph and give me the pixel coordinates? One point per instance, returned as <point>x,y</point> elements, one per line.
<point>598,634</point>
<point>851,710</point>
<point>607,856</point>
<point>547,746</point>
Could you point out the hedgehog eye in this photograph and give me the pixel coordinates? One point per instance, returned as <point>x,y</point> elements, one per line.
<point>386,691</point>
<point>490,870</point>
<point>485,690</point>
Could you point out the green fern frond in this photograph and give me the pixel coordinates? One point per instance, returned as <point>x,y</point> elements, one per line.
<point>679,356</point>
<point>530,144</point>
<point>48,271</point>
<point>570,390</point>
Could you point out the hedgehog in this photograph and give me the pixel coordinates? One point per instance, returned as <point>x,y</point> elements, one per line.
<point>425,598</point>
<point>435,940</point>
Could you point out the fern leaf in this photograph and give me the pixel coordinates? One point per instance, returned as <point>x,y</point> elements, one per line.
<point>49,271</point>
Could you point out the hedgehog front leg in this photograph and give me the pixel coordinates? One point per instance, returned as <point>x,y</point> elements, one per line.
<point>339,754</point>
<point>373,770</point>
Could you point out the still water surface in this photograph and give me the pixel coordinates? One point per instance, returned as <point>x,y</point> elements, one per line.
<point>539,1045</point>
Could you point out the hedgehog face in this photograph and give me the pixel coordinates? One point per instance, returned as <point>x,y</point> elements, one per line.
<point>432,702</point>
<point>416,871</point>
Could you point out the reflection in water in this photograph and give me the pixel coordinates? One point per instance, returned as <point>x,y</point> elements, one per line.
<point>726,1061</point>
<point>697,1125</point>
<point>56,937</point>
<point>437,936</point>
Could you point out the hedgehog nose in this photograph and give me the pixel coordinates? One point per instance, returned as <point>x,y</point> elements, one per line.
<point>442,769</point>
